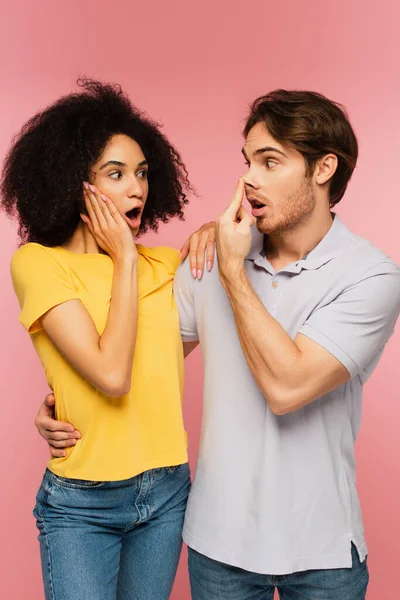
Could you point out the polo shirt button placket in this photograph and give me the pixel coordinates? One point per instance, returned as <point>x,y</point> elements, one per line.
<point>274,303</point>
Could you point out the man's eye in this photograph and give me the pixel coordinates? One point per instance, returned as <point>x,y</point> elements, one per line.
<point>142,174</point>
<point>270,164</point>
<point>116,175</point>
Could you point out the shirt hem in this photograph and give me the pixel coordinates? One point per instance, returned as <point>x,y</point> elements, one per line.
<point>338,560</point>
<point>80,474</point>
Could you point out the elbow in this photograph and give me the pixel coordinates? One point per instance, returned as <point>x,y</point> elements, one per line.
<point>278,408</point>
<point>282,401</point>
<point>115,386</point>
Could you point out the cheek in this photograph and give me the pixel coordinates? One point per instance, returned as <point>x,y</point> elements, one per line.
<point>145,188</point>
<point>282,183</point>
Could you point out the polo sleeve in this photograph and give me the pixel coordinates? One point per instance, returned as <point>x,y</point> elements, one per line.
<point>359,322</point>
<point>184,298</point>
<point>40,283</point>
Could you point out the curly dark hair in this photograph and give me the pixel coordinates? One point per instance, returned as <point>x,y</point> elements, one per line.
<point>66,139</point>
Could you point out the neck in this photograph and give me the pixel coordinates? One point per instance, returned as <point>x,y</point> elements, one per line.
<point>82,242</point>
<point>290,246</point>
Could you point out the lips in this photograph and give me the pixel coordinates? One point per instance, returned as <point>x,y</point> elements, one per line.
<point>257,207</point>
<point>133,216</point>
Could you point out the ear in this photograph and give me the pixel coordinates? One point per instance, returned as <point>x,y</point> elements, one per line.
<point>325,168</point>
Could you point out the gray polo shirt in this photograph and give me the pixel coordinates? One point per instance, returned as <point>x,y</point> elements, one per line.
<point>277,494</point>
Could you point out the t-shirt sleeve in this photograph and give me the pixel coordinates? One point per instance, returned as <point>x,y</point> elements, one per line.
<point>40,282</point>
<point>357,324</point>
<point>185,301</point>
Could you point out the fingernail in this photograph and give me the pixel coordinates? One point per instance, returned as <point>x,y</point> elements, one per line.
<point>92,188</point>
<point>199,274</point>
<point>103,197</point>
<point>74,441</point>
<point>86,185</point>
<point>209,265</point>
<point>194,273</point>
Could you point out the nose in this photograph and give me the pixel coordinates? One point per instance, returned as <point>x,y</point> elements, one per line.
<point>135,189</point>
<point>250,179</point>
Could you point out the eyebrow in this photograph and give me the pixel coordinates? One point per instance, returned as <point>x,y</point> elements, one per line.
<point>117,163</point>
<point>265,149</point>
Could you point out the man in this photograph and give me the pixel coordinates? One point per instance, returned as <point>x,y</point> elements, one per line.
<point>291,326</point>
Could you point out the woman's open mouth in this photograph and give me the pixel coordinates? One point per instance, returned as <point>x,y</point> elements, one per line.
<point>133,217</point>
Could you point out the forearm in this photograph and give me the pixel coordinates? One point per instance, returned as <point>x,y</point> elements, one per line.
<point>117,343</point>
<point>274,359</point>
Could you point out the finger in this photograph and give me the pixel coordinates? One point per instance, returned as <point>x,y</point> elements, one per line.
<point>90,211</point>
<point>60,436</point>
<point>63,443</point>
<point>111,209</point>
<point>106,206</point>
<point>201,248</point>
<point>50,399</point>
<point>57,453</point>
<point>245,219</point>
<point>94,211</point>
<point>210,251</point>
<point>53,425</point>
<point>193,241</point>
<point>237,199</point>
<point>184,251</point>
<point>99,205</point>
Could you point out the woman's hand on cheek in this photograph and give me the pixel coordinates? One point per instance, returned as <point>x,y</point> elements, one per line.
<point>107,226</point>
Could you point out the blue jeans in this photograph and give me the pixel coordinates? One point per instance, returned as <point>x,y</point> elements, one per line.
<point>118,540</point>
<point>213,580</point>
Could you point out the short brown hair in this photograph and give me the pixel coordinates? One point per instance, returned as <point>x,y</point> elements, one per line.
<point>312,125</point>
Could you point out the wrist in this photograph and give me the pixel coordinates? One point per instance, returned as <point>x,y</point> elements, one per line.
<point>231,272</point>
<point>126,261</point>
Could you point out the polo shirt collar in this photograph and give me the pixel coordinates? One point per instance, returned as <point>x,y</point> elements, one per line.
<point>336,241</point>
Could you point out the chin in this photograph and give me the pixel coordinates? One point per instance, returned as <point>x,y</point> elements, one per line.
<point>135,231</point>
<point>264,226</point>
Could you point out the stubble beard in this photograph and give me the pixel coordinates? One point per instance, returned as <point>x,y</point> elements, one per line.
<point>297,209</point>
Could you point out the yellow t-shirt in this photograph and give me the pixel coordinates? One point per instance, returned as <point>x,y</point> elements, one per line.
<point>121,437</point>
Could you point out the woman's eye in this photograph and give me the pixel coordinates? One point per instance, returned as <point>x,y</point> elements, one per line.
<point>142,174</point>
<point>116,175</point>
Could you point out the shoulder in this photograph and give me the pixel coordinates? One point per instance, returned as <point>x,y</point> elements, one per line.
<point>34,259</point>
<point>163,256</point>
<point>30,254</point>
<point>372,260</point>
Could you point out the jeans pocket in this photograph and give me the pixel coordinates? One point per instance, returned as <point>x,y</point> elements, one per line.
<point>173,468</point>
<point>42,496</point>
<point>76,484</point>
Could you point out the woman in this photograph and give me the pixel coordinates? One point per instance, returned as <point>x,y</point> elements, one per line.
<point>84,177</point>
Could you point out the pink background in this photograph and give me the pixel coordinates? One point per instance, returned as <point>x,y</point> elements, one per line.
<point>196,67</point>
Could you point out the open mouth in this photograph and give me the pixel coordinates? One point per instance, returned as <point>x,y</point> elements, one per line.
<point>134,213</point>
<point>257,207</point>
<point>133,216</point>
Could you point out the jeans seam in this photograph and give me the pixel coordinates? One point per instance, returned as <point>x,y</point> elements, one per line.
<point>49,564</point>
<point>44,502</point>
